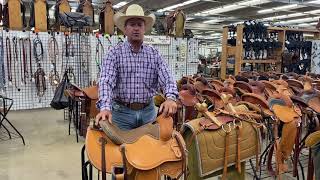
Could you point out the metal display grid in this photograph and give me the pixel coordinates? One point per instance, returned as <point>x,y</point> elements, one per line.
<point>80,56</point>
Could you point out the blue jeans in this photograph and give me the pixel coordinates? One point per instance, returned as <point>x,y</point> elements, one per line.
<point>126,118</point>
<point>316,159</point>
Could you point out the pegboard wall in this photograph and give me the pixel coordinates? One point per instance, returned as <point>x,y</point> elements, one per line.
<point>80,54</point>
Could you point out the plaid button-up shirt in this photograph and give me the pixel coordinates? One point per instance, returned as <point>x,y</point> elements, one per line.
<point>134,77</point>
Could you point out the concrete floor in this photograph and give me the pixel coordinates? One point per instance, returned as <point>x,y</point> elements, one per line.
<point>50,153</point>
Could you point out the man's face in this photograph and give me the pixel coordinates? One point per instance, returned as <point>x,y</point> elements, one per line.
<point>134,29</point>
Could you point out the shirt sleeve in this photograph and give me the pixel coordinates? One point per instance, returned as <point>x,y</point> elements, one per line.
<point>107,81</point>
<point>166,80</point>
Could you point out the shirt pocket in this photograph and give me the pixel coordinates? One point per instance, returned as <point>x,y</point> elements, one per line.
<point>150,71</point>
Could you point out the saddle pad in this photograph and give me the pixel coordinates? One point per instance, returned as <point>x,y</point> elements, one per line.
<point>148,153</point>
<point>209,145</point>
<point>93,149</point>
<point>119,136</point>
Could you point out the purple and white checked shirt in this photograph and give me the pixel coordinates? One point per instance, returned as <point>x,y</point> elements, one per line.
<point>133,77</point>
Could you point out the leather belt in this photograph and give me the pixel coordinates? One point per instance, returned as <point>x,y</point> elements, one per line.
<point>133,106</point>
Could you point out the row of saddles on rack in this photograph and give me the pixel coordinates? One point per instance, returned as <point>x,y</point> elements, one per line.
<point>224,121</point>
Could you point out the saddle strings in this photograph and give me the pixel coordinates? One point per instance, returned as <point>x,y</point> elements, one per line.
<point>53,52</point>
<point>39,75</point>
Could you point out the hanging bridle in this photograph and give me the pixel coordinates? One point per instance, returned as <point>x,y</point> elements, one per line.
<point>9,60</point>
<point>53,53</point>
<point>39,75</point>
<point>27,45</point>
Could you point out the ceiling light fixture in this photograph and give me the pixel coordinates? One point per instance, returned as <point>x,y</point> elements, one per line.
<point>120,4</point>
<point>232,7</point>
<point>281,8</point>
<point>177,5</point>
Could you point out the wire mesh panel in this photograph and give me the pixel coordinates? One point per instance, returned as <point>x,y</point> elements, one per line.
<point>33,64</point>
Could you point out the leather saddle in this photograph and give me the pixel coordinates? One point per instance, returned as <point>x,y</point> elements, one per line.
<point>114,148</point>
<point>289,117</point>
<point>188,97</point>
<point>257,88</point>
<point>214,97</point>
<point>296,86</point>
<point>218,141</point>
<point>201,84</point>
<point>242,87</point>
<point>257,100</point>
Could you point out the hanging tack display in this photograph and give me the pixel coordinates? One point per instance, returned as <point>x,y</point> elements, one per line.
<point>106,19</point>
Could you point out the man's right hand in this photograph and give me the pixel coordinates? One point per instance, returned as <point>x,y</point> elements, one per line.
<point>103,116</point>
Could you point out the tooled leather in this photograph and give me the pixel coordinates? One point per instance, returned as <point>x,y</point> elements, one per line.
<point>210,145</point>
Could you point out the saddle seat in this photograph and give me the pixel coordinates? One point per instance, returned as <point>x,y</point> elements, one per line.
<point>160,131</point>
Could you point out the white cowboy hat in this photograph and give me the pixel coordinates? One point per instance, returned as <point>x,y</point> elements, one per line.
<point>133,11</point>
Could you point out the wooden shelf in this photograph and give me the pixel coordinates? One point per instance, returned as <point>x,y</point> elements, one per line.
<point>264,61</point>
<point>231,50</point>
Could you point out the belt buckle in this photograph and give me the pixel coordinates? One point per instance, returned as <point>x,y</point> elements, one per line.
<point>136,106</point>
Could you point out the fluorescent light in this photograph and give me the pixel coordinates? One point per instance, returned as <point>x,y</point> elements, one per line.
<point>232,7</point>
<point>303,20</point>
<point>313,12</point>
<point>213,21</point>
<point>283,16</point>
<point>314,2</point>
<point>177,5</point>
<point>281,8</point>
<point>120,4</point>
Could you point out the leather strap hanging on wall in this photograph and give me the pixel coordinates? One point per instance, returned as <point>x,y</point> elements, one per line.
<point>16,63</point>
<point>53,53</point>
<point>2,71</point>
<point>9,60</point>
<point>39,75</point>
<point>84,53</point>
<point>99,53</point>
<point>69,52</point>
<point>23,58</point>
<point>28,50</point>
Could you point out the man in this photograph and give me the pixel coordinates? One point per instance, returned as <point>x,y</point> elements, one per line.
<point>131,74</point>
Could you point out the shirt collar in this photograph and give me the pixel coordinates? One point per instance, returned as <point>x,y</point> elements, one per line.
<point>130,46</point>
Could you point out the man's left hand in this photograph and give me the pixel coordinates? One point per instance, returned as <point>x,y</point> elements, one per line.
<point>168,108</point>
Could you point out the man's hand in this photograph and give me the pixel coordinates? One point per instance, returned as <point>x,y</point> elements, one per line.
<point>103,116</point>
<point>168,108</point>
